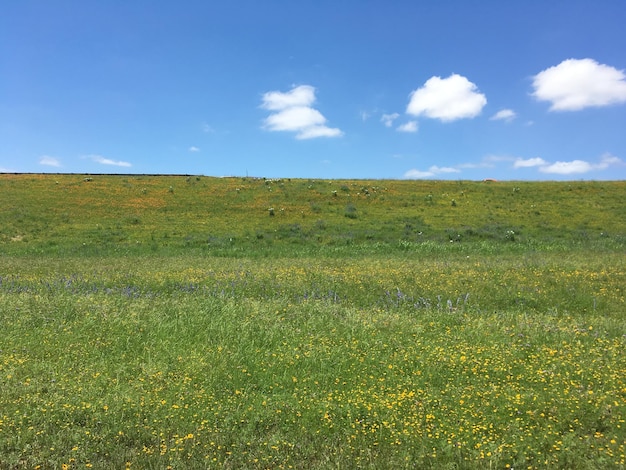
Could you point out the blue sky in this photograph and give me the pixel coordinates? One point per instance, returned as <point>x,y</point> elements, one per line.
<point>531,90</point>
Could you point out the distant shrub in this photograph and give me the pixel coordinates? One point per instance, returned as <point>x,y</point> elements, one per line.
<point>350,211</point>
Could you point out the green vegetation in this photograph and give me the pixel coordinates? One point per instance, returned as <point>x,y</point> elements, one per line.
<point>248,323</point>
<point>73,214</point>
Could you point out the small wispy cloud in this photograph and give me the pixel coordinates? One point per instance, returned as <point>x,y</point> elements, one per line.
<point>581,166</point>
<point>432,171</point>
<point>529,162</point>
<point>207,129</point>
<point>194,149</point>
<point>107,161</point>
<point>49,161</point>
<point>410,126</point>
<point>489,161</point>
<point>567,168</point>
<point>387,119</point>
<point>506,115</point>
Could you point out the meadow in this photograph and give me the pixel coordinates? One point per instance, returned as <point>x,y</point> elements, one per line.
<point>194,322</point>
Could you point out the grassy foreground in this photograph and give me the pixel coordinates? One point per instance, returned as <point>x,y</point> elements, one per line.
<point>376,339</point>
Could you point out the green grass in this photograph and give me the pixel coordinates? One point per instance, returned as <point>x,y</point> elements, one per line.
<point>352,343</point>
<point>229,216</point>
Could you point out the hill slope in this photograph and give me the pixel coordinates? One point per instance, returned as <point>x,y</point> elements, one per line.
<point>70,212</point>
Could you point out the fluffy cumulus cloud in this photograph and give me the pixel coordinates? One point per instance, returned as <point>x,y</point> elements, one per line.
<point>49,161</point>
<point>410,126</point>
<point>193,148</point>
<point>293,112</point>
<point>432,171</point>
<point>576,84</point>
<point>447,99</point>
<point>506,115</point>
<point>107,161</point>
<point>303,95</point>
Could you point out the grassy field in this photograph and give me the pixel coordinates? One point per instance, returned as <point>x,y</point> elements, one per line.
<point>194,322</point>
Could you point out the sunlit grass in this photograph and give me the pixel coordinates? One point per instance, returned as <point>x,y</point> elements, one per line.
<point>220,362</point>
<point>365,324</point>
<point>76,214</point>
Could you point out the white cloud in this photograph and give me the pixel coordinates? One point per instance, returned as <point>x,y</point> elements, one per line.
<point>567,168</point>
<point>49,161</point>
<point>529,162</point>
<point>581,166</point>
<point>294,119</point>
<point>575,84</point>
<point>432,171</point>
<point>318,131</point>
<point>410,126</point>
<point>108,161</point>
<point>414,174</point>
<point>607,159</point>
<point>498,158</point>
<point>303,95</point>
<point>295,114</point>
<point>447,99</point>
<point>506,115</point>
<point>488,161</point>
<point>194,149</point>
<point>387,119</point>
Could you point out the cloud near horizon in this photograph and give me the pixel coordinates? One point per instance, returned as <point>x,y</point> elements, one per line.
<point>107,161</point>
<point>49,161</point>
<point>432,171</point>
<point>581,166</point>
<point>447,99</point>
<point>292,112</point>
<point>576,84</point>
<point>529,162</point>
<point>559,168</point>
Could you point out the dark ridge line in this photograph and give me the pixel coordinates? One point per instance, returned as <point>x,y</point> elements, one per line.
<point>108,174</point>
